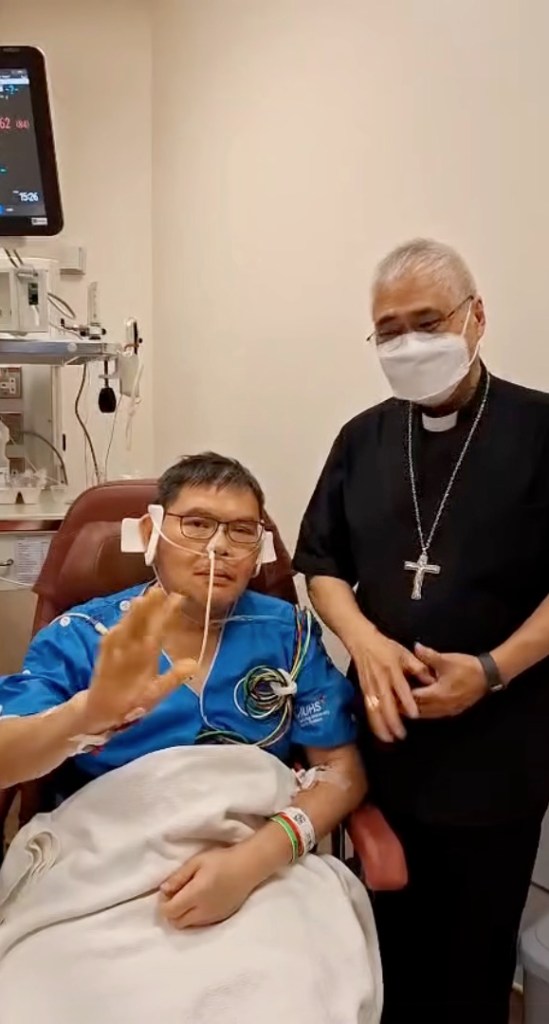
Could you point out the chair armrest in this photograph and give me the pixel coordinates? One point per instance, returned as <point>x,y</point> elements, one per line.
<point>378,849</point>
<point>6,800</point>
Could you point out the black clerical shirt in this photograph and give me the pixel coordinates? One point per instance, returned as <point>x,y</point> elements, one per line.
<point>490,764</point>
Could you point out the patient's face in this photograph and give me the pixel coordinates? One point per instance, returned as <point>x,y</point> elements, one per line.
<point>191,522</point>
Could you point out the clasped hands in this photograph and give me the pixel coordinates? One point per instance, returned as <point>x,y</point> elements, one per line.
<point>449,684</point>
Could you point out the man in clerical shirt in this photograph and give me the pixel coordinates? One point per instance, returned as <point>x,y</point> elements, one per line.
<point>426,548</point>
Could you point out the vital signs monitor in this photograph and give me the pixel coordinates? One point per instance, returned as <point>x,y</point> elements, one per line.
<point>30,201</point>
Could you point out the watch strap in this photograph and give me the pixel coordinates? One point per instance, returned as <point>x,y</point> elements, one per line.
<point>492,673</point>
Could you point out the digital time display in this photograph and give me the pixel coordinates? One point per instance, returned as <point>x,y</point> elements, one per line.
<point>21,186</point>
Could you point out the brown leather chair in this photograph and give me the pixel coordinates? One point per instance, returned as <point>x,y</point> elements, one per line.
<point>85,561</point>
<point>6,801</point>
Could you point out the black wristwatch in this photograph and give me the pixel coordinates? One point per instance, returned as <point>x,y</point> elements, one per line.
<point>493,676</point>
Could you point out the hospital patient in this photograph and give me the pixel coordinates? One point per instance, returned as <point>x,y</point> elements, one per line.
<point>168,699</point>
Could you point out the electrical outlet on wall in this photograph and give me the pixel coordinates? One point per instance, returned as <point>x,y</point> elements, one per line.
<point>10,382</point>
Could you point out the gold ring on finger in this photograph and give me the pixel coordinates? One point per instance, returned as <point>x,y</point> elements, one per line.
<point>372,702</point>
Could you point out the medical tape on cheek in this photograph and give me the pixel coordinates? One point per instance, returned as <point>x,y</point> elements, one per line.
<point>267,553</point>
<point>268,550</point>
<point>156,513</point>
<point>131,541</point>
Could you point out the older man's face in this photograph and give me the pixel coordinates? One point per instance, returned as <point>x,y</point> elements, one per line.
<point>416,302</point>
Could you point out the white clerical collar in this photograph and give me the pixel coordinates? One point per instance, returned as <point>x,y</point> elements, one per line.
<point>439,424</point>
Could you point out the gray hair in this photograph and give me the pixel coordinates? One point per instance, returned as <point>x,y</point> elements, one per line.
<point>425,256</point>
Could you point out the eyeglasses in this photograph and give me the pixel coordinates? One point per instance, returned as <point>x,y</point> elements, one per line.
<point>428,322</point>
<point>243,532</point>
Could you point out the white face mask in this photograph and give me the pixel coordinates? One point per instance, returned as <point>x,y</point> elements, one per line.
<point>426,368</point>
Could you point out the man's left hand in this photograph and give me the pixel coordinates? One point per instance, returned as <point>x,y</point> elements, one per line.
<point>460,683</point>
<point>208,889</point>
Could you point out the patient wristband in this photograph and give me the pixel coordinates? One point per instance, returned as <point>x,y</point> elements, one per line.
<point>299,829</point>
<point>291,833</point>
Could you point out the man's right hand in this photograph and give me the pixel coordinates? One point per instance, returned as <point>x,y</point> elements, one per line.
<point>383,668</point>
<point>126,684</point>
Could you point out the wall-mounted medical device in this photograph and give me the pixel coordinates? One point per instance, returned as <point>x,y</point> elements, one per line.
<point>40,332</point>
<point>30,200</point>
<point>23,298</point>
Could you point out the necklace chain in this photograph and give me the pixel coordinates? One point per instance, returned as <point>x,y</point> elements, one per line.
<point>426,543</point>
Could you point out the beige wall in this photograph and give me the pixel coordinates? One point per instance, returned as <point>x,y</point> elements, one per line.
<point>98,56</point>
<point>295,141</point>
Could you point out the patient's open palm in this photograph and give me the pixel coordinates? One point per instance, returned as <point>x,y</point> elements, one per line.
<point>126,683</point>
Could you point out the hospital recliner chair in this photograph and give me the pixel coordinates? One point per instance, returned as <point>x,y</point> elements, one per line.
<point>85,561</point>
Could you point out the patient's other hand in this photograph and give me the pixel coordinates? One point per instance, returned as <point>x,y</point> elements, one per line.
<point>125,683</point>
<point>208,889</point>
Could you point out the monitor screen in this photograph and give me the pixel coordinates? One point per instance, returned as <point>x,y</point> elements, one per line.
<point>29,188</point>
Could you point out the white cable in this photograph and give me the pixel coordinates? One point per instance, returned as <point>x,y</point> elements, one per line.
<point>63,329</point>
<point>50,479</point>
<point>88,443</point>
<point>9,255</point>
<point>61,306</point>
<point>135,401</point>
<point>207,614</point>
<point>52,447</point>
<point>192,551</point>
<point>88,473</point>
<point>65,617</point>
<point>16,583</point>
<point>20,260</point>
<point>210,550</point>
<point>111,439</point>
<point>211,556</point>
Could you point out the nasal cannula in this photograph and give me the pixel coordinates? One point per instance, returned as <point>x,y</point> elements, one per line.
<point>263,691</point>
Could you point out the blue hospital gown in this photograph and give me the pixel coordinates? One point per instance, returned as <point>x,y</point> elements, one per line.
<point>61,658</point>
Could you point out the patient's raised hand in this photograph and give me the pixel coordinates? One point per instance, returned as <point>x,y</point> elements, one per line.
<point>126,683</point>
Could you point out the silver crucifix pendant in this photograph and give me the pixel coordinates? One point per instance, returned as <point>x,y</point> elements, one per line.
<point>421,568</point>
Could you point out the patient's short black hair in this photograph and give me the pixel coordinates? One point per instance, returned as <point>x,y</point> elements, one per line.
<point>207,470</point>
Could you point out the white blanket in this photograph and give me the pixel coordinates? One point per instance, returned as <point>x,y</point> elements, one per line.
<point>81,939</point>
